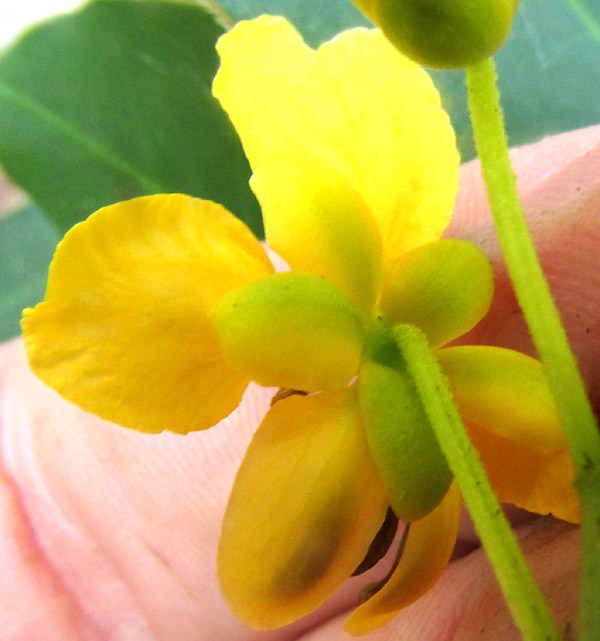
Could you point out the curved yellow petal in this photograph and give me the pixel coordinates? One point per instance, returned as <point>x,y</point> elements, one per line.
<point>425,556</point>
<point>445,288</point>
<point>291,330</point>
<point>124,331</point>
<point>540,483</point>
<point>356,105</point>
<point>305,506</point>
<point>318,223</point>
<point>505,392</point>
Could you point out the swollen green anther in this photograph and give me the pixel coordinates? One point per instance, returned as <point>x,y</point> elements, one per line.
<point>401,439</point>
<point>291,330</point>
<point>445,34</point>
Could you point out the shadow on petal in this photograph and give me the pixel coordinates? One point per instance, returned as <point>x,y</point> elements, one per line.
<point>305,506</point>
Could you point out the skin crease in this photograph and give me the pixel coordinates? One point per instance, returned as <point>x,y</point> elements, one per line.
<point>107,534</point>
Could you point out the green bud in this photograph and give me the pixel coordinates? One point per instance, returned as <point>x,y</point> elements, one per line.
<point>291,330</point>
<point>445,34</point>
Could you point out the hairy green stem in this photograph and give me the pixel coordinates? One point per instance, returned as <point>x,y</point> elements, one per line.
<point>521,592</point>
<point>544,324</point>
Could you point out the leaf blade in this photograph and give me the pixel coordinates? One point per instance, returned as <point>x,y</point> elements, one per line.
<point>27,242</point>
<point>87,120</point>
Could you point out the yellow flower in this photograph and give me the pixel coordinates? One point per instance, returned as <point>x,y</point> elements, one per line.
<point>159,311</point>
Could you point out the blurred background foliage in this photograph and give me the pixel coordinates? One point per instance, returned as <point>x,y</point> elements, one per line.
<point>113,101</point>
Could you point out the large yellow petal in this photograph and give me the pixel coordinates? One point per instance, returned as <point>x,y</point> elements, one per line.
<point>124,332</point>
<point>318,223</point>
<point>425,556</point>
<point>540,483</point>
<point>505,392</point>
<point>356,105</point>
<point>304,508</point>
<point>504,398</point>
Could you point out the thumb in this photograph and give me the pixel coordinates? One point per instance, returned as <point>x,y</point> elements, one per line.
<point>559,185</point>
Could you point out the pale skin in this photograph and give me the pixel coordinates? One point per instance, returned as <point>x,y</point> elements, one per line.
<point>108,534</point>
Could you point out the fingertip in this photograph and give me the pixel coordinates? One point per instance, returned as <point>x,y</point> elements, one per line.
<point>559,185</point>
<point>467,604</point>
<point>534,164</point>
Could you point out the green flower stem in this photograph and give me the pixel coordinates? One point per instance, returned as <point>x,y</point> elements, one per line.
<point>521,592</point>
<point>544,324</point>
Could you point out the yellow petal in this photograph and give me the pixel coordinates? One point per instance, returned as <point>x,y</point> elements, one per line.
<point>291,330</point>
<point>505,392</point>
<point>124,331</point>
<point>427,551</point>
<point>540,483</point>
<point>356,105</point>
<point>445,288</point>
<point>318,223</point>
<point>304,508</point>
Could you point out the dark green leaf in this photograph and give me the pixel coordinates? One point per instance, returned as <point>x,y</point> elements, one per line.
<point>549,69</point>
<point>27,242</point>
<point>113,102</point>
<point>317,21</point>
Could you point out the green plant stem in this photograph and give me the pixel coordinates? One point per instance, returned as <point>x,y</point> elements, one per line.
<point>521,592</point>
<point>544,324</point>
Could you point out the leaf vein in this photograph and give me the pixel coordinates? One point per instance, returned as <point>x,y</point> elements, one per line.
<point>96,148</point>
<point>586,18</point>
<point>217,10</point>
